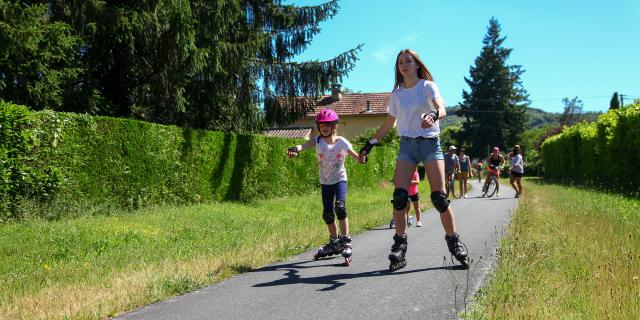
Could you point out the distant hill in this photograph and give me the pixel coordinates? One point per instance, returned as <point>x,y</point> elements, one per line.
<point>537,118</point>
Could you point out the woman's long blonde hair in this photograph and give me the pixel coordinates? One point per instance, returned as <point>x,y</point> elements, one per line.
<point>423,71</point>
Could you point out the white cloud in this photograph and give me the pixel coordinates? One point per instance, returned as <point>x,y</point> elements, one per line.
<point>390,49</point>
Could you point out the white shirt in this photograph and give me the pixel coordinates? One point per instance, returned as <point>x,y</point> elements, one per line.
<point>516,163</point>
<point>406,105</point>
<point>331,160</point>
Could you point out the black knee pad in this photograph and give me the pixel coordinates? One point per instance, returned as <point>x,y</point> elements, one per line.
<point>400,199</point>
<point>328,217</point>
<point>439,200</point>
<point>341,210</point>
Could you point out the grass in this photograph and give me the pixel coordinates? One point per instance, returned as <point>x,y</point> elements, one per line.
<point>569,253</point>
<point>93,267</point>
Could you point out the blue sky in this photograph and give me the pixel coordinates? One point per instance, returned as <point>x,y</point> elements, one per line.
<point>568,48</point>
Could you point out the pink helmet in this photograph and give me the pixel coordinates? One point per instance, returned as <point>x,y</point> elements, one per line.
<point>326,116</point>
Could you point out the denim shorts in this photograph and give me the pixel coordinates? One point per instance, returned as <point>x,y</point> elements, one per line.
<point>420,149</point>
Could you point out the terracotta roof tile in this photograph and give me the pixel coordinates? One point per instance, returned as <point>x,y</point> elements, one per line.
<point>354,104</point>
<point>292,132</point>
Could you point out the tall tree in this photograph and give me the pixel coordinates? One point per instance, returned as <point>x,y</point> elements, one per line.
<point>198,63</point>
<point>37,56</point>
<point>495,107</point>
<point>572,113</point>
<point>615,102</point>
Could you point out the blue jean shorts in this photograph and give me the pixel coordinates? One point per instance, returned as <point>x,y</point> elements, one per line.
<point>419,150</point>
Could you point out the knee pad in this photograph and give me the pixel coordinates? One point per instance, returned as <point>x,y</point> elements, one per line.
<point>328,217</point>
<point>400,199</point>
<point>439,200</point>
<point>341,210</point>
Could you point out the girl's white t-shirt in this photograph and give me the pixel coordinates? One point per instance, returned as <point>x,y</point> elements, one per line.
<point>331,160</point>
<point>516,163</point>
<point>407,105</point>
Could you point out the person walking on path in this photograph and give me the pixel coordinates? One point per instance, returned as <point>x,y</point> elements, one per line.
<point>331,152</point>
<point>517,169</point>
<point>451,166</point>
<point>465,172</point>
<point>416,105</point>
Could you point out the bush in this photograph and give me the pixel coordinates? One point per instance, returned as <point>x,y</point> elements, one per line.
<point>86,165</point>
<point>604,152</point>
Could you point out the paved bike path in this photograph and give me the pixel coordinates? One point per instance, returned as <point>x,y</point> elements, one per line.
<point>430,287</point>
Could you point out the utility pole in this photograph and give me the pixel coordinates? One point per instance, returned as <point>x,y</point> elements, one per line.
<point>622,100</point>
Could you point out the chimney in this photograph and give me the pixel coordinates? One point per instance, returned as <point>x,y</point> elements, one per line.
<point>335,92</point>
<point>368,106</point>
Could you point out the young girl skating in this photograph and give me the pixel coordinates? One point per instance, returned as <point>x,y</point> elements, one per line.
<point>331,151</point>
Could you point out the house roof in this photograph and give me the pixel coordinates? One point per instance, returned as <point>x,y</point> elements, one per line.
<point>291,132</point>
<point>354,104</point>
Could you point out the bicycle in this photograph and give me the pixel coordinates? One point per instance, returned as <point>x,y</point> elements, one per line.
<point>491,185</point>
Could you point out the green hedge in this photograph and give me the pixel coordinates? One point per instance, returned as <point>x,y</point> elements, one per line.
<point>99,164</point>
<point>605,152</point>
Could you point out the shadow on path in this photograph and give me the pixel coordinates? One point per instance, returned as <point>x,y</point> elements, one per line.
<point>332,281</point>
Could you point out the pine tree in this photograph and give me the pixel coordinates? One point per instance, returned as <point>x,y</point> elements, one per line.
<point>204,64</point>
<point>615,102</point>
<point>494,108</point>
<point>37,56</point>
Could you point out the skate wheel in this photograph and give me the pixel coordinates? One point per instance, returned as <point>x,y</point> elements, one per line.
<point>464,263</point>
<point>347,262</point>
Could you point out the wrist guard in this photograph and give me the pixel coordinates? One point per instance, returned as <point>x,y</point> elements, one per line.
<point>367,148</point>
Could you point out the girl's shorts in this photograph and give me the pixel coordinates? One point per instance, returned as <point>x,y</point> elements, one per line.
<point>463,175</point>
<point>332,193</point>
<point>420,149</point>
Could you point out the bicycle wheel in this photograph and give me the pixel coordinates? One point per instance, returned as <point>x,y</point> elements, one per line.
<point>492,187</point>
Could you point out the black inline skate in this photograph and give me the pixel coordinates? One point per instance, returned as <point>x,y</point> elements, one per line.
<point>333,247</point>
<point>457,249</point>
<point>346,249</point>
<point>398,251</point>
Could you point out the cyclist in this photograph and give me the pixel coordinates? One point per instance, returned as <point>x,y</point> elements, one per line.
<point>451,165</point>
<point>495,161</point>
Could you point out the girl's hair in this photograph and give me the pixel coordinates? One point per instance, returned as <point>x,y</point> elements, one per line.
<point>516,149</point>
<point>423,71</point>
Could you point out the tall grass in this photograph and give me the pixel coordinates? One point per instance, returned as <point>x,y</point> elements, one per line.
<point>569,253</point>
<point>93,267</point>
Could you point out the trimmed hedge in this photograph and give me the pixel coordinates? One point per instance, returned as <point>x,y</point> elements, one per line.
<point>605,152</point>
<point>105,164</point>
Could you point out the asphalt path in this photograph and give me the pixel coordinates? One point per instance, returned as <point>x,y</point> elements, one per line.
<point>432,286</point>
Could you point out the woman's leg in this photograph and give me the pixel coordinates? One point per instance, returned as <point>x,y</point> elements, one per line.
<point>518,182</point>
<point>512,181</point>
<point>460,179</point>
<point>464,183</point>
<point>402,179</point>
<point>435,174</point>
